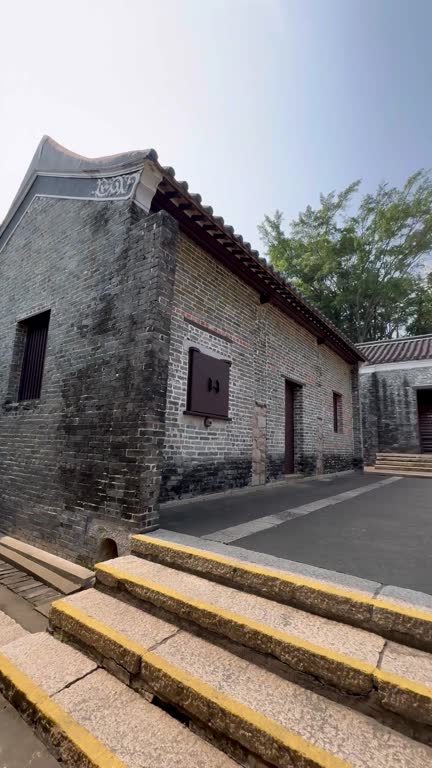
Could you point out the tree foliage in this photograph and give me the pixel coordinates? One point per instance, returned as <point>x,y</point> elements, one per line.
<point>365,270</point>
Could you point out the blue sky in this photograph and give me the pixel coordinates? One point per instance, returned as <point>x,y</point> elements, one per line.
<point>259,104</point>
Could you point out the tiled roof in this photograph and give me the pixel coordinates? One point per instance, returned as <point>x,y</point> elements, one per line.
<point>398,350</point>
<point>196,219</point>
<point>174,196</point>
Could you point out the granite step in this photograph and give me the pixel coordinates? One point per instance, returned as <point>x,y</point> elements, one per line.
<point>408,465</point>
<point>242,706</point>
<point>414,471</point>
<point>427,457</point>
<point>352,601</point>
<point>408,462</point>
<point>389,463</point>
<point>399,472</point>
<point>320,652</point>
<point>88,718</point>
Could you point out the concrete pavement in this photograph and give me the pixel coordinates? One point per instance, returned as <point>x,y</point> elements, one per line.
<point>19,747</point>
<point>382,534</point>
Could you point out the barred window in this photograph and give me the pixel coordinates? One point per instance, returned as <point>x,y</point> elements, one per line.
<point>337,412</point>
<point>36,334</point>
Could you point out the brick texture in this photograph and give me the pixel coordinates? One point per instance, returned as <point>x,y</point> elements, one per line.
<point>83,462</point>
<point>389,409</point>
<point>109,438</point>
<point>216,312</point>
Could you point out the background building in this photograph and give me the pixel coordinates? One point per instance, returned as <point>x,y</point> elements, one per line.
<point>396,396</point>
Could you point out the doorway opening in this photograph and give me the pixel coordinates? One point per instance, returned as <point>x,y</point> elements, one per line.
<point>424,409</point>
<point>289,427</point>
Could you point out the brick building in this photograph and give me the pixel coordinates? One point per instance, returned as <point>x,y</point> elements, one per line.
<point>396,396</point>
<point>148,353</point>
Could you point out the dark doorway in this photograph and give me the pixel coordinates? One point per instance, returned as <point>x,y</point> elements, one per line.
<point>424,403</point>
<point>289,428</point>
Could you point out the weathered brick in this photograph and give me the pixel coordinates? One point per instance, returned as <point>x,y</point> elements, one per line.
<point>265,347</point>
<point>105,271</point>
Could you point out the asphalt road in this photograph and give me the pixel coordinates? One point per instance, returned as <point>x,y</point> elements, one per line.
<point>202,517</point>
<point>384,535</point>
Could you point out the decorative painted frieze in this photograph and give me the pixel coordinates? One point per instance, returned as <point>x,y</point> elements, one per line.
<point>116,186</point>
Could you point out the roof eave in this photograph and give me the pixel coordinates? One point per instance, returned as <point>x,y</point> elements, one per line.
<point>201,224</point>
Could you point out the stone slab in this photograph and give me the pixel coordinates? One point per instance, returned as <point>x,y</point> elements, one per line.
<point>50,664</point>
<point>345,734</point>
<point>66,568</point>
<point>412,618</point>
<point>408,663</point>
<point>368,588</point>
<point>406,597</point>
<point>353,600</point>
<point>404,682</point>
<point>10,630</point>
<point>338,653</point>
<point>142,628</point>
<point>199,658</point>
<point>137,732</point>
<point>41,572</point>
<point>398,473</point>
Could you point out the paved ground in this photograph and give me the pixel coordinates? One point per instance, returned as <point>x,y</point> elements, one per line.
<point>19,747</point>
<point>39,595</point>
<point>383,534</point>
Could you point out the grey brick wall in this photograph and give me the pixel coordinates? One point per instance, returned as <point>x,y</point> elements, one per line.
<point>389,410</point>
<point>84,460</point>
<point>214,311</point>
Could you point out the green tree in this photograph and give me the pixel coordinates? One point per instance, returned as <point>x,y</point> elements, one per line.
<point>422,308</point>
<point>362,268</point>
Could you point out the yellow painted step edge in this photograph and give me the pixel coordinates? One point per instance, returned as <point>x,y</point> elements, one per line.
<point>299,581</point>
<point>317,650</point>
<point>82,740</point>
<point>288,739</point>
<point>403,683</point>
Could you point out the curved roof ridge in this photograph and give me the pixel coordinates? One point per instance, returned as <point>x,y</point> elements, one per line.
<point>53,158</point>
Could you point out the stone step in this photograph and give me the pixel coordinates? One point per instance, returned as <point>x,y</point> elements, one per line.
<point>399,472</point>
<point>427,457</point>
<point>351,660</point>
<point>9,629</point>
<point>38,571</point>
<point>88,718</point>
<point>404,463</point>
<point>417,459</point>
<point>228,697</point>
<point>353,602</point>
<point>65,568</point>
<point>400,460</point>
<point>406,467</point>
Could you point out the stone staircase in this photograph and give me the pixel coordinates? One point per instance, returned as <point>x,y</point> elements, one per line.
<point>411,464</point>
<point>187,657</point>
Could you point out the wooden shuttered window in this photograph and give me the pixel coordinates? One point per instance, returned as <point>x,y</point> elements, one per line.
<point>208,385</point>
